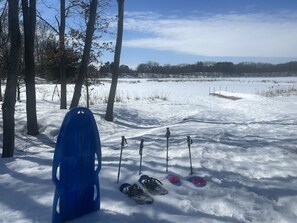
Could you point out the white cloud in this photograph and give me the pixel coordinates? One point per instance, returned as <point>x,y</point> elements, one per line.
<point>253,35</point>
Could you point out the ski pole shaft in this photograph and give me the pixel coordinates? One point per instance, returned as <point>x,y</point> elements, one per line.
<point>167,145</point>
<point>167,158</point>
<point>119,170</point>
<point>140,153</point>
<point>190,141</point>
<point>123,143</point>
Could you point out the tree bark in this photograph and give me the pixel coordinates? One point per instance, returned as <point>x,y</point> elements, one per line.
<point>29,17</point>
<point>63,104</point>
<point>117,55</point>
<point>3,42</point>
<point>83,69</point>
<point>10,91</point>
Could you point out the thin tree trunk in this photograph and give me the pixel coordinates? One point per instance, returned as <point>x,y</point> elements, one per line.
<point>29,17</point>
<point>18,91</point>
<point>10,91</point>
<point>2,43</point>
<point>87,90</point>
<point>83,69</point>
<point>1,87</point>
<point>117,55</point>
<point>63,104</point>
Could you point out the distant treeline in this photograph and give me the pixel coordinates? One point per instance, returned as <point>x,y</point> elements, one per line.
<point>215,69</point>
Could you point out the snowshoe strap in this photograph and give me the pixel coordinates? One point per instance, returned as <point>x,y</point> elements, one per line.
<point>152,183</point>
<point>134,190</point>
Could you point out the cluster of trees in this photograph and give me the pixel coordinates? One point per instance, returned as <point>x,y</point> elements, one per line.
<point>31,45</point>
<point>208,69</point>
<point>47,44</point>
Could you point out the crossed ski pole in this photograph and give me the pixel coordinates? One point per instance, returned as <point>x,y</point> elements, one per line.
<point>123,144</point>
<point>190,142</point>
<point>140,153</point>
<point>167,145</point>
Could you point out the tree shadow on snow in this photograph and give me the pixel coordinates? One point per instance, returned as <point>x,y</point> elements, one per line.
<point>25,192</point>
<point>133,119</point>
<point>271,188</point>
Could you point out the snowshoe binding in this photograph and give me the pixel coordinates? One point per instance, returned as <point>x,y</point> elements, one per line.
<point>153,185</point>
<point>136,193</point>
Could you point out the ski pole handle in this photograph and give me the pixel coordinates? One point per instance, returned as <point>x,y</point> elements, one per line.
<point>190,141</point>
<point>167,133</point>
<point>124,141</point>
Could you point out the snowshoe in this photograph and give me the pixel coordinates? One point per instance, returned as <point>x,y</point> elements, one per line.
<point>153,185</point>
<point>175,180</point>
<point>197,181</point>
<point>136,193</point>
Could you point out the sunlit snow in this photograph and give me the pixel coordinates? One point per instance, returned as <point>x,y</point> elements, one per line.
<point>246,149</point>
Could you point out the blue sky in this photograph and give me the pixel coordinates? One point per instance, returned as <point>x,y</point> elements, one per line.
<point>187,31</point>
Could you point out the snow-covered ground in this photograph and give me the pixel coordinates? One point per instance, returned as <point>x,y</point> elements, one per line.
<point>246,149</point>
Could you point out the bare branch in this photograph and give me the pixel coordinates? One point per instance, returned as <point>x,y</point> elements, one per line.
<point>4,9</point>
<point>48,6</point>
<point>71,5</point>
<point>40,17</point>
<point>57,20</point>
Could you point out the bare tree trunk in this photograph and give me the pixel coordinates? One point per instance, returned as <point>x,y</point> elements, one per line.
<point>87,90</point>
<point>3,41</point>
<point>83,69</point>
<point>10,91</point>
<point>63,104</point>
<point>29,17</point>
<point>0,88</point>
<point>117,55</point>
<point>18,91</point>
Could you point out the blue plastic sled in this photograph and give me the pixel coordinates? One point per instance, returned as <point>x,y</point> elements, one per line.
<point>76,165</point>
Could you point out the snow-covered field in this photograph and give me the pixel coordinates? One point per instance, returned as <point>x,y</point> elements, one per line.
<point>246,149</point>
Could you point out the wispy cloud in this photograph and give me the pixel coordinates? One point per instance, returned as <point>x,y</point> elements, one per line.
<point>253,35</point>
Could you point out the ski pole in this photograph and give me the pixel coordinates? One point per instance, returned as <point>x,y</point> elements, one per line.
<point>140,153</point>
<point>190,141</point>
<point>123,144</point>
<point>167,157</point>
